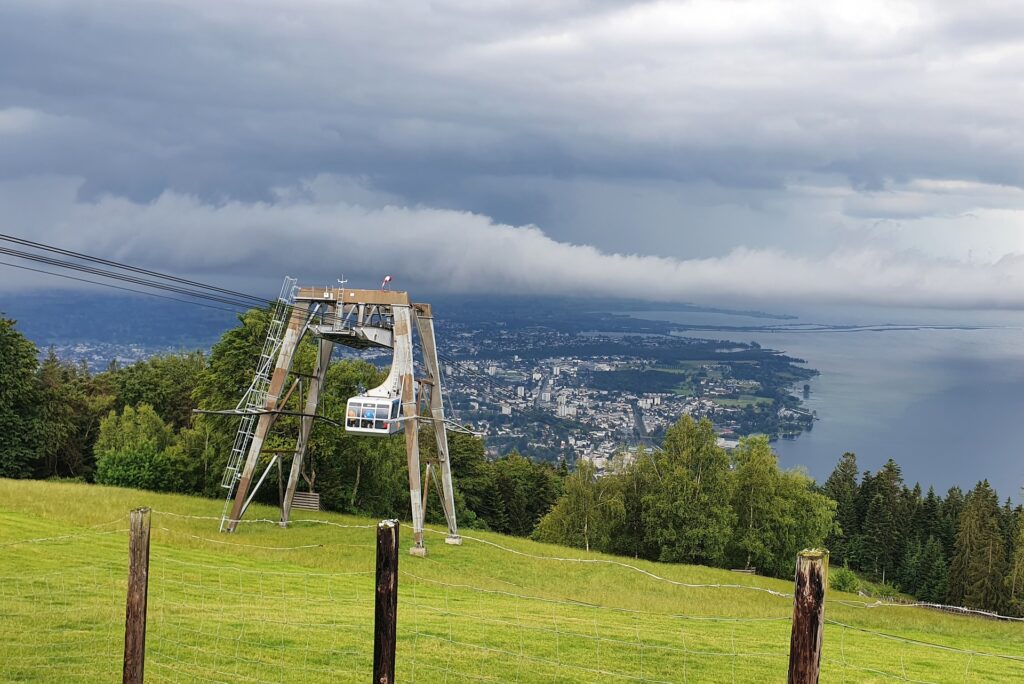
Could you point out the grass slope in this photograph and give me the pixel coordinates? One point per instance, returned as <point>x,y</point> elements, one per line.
<point>275,605</point>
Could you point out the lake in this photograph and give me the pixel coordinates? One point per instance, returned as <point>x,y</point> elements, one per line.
<point>946,404</point>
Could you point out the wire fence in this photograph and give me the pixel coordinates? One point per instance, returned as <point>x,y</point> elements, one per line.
<point>298,606</point>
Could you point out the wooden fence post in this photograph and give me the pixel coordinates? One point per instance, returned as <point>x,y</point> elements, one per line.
<point>138,588</point>
<point>808,616</point>
<point>385,621</point>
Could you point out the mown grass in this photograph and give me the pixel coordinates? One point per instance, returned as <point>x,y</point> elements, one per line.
<point>282,605</point>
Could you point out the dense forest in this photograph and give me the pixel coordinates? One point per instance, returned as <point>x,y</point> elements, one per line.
<point>962,549</point>
<point>689,501</point>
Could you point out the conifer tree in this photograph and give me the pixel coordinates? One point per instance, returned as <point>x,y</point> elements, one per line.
<point>952,507</point>
<point>931,581</point>
<point>977,573</point>
<point>913,511</point>
<point>841,487</point>
<point>1015,573</point>
<point>909,576</point>
<point>931,516</point>
<point>878,535</point>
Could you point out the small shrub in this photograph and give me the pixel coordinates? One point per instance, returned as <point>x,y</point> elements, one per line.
<point>843,579</point>
<point>883,590</point>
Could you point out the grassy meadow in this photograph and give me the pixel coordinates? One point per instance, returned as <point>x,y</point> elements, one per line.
<point>296,605</point>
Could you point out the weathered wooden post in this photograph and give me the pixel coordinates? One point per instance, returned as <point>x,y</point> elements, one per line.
<point>808,616</point>
<point>138,589</point>
<point>385,621</point>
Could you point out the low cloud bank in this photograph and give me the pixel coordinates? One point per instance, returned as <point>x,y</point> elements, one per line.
<point>318,231</point>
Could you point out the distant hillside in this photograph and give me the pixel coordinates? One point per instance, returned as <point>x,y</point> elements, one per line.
<point>63,317</point>
<point>59,318</point>
<point>269,604</point>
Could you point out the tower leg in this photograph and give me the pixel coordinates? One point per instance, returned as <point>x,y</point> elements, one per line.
<point>316,384</point>
<point>412,453</point>
<point>425,325</point>
<point>284,362</point>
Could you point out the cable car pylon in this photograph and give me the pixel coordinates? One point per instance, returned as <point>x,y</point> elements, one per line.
<point>361,319</point>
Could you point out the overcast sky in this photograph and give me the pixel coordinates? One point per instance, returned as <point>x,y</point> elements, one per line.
<point>760,152</point>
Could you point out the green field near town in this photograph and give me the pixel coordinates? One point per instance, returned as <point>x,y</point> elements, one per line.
<point>268,604</point>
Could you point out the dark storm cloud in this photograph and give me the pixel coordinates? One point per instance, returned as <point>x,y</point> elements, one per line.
<point>237,97</point>
<point>696,129</point>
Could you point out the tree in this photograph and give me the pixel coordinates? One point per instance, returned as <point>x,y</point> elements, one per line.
<point>909,576</point>
<point>952,507</point>
<point>755,502</point>
<point>637,479</point>
<point>195,459</point>
<point>166,383</point>
<point>931,580</point>
<point>20,395</point>
<point>841,487</point>
<point>582,516</point>
<point>1015,574</point>
<point>690,514</point>
<point>777,513</point>
<point>879,531</point>
<point>525,490</point>
<point>72,404</point>
<point>130,451</point>
<point>931,516</point>
<point>977,573</point>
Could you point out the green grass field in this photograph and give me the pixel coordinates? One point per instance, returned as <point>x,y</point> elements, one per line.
<point>296,605</point>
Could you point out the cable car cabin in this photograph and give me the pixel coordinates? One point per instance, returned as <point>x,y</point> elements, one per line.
<point>373,415</point>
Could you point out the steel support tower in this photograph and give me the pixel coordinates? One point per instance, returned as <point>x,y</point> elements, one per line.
<point>360,319</point>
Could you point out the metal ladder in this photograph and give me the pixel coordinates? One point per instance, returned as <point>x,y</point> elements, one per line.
<point>255,398</point>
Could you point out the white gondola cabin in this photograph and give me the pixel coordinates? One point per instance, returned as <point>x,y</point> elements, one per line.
<point>373,415</point>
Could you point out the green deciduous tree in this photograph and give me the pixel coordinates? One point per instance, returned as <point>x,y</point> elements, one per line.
<point>777,513</point>
<point>638,480</point>
<point>166,383</point>
<point>690,514</point>
<point>583,515</point>
<point>131,451</point>
<point>20,407</point>
<point>72,404</point>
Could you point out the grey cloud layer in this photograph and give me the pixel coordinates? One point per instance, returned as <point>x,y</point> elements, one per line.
<point>768,132</point>
<point>317,231</point>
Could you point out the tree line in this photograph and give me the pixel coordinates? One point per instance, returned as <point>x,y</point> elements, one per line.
<point>960,549</point>
<point>134,426</point>
<point>689,501</point>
